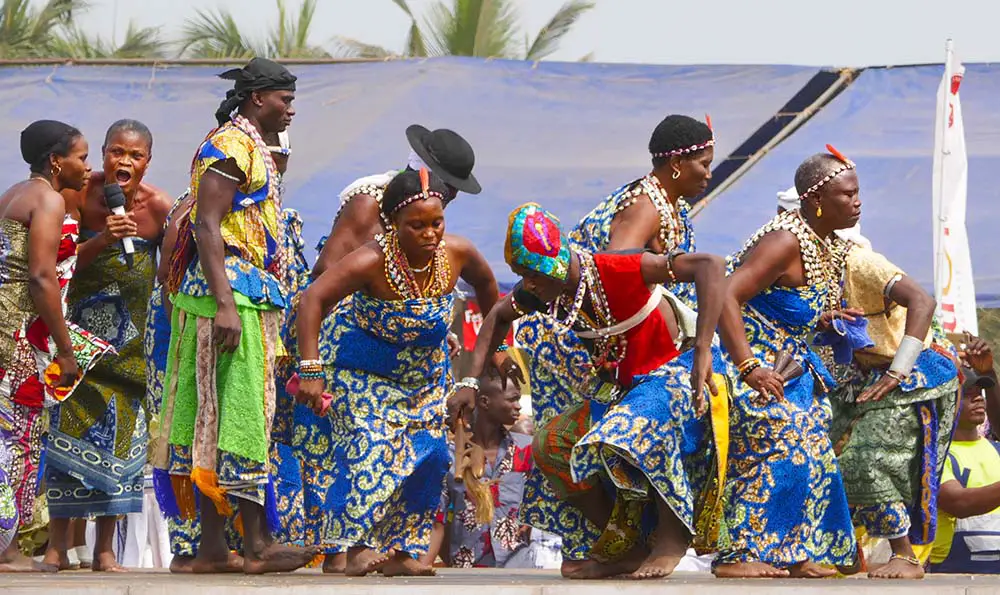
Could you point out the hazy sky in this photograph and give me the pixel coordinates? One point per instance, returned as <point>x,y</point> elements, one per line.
<point>840,33</point>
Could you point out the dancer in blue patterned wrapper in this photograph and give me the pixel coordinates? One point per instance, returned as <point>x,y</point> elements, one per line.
<point>448,156</point>
<point>614,304</point>
<point>786,510</point>
<point>389,375</point>
<point>649,213</point>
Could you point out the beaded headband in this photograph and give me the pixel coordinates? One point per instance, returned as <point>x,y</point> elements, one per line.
<point>693,148</point>
<point>535,242</point>
<point>424,194</point>
<point>845,165</point>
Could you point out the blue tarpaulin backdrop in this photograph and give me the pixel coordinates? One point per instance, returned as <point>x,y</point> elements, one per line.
<point>560,134</point>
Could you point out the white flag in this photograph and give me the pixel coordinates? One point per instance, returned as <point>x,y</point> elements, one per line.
<point>953,285</point>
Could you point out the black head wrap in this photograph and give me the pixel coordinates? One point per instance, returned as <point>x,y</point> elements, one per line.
<point>43,138</point>
<point>260,74</point>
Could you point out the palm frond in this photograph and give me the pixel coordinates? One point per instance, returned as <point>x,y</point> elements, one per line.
<point>346,47</point>
<point>140,42</point>
<point>549,36</point>
<point>214,34</point>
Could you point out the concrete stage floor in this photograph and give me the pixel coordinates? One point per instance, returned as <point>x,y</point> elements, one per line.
<point>469,582</point>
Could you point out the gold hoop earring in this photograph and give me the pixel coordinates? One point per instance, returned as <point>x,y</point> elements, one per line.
<point>677,174</point>
<point>819,212</point>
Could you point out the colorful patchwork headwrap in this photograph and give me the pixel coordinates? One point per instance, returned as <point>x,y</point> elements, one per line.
<point>535,242</point>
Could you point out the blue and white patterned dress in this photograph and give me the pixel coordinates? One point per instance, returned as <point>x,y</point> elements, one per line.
<point>390,453</point>
<point>558,377</point>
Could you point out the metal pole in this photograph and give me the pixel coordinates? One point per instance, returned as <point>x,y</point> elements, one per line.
<point>940,261</point>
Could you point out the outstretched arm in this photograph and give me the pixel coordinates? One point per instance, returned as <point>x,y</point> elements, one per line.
<point>963,503</point>
<point>495,327</point>
<point>357,223</point>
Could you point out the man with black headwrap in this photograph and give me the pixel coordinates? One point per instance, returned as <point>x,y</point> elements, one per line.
<point>226,284</point>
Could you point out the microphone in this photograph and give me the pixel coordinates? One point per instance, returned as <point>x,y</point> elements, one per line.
<point>114,199</point>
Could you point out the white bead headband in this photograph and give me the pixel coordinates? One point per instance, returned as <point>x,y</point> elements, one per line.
<point>685,151</point>
<point>845,165</point>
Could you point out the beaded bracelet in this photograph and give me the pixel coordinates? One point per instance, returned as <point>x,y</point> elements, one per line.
<point>312,375</point>
<point>745,373</point>
<point>502,348</point>
<point>311,363</point>
<point>750,362</point>
<point>909,559</point>
<point>460,385</point>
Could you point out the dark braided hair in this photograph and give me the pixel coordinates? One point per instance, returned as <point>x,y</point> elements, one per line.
<point>405,185</point>
<point>677,132</point>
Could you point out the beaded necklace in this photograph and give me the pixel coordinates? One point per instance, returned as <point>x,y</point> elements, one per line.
<point>671,226</point>
<point>400,275</point>
<point>608,351</point>
<point>822,259</point>
<point>572,308</point>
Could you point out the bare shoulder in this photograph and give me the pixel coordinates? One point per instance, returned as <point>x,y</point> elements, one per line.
<point>157,198</point>
<point>778,245</point>
<point>360,207</point>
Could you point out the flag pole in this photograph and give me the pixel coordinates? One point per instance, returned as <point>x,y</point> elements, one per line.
<point>939,258</point>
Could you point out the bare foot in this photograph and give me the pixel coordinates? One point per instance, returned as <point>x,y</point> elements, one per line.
<point>897,568</point>
<point>335,564</point>
<point>362,561</point>
<point>748,570</point>
<point>278,558</point>
<point>106,562</point>
<point>212,564</point>
<point>14,561</point>
<point>182,564</point>
<point>809,569</point>
<point>56,559</point>
<point>402,564</point>
<point>666,555</point>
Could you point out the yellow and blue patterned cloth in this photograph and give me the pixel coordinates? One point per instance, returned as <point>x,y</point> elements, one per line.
<point>785,495</point>
<point>251,230</point>
<point>390,454</point>
<point>559,377</point>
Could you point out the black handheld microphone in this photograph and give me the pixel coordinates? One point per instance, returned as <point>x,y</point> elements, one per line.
<point>114,199</point>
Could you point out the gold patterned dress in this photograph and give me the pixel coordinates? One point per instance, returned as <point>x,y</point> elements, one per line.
<point>27,371</point>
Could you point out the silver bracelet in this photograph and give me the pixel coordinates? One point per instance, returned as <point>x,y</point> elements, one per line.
<point>470,382</point>
<point>217,171</point>
<point>909,350</point>
<point>460,385</point>
<point>892,283</point>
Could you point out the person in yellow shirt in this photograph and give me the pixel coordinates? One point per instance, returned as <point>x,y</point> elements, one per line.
<point>968,537</point>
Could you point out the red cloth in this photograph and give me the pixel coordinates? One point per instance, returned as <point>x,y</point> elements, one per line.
<point>650,344</point>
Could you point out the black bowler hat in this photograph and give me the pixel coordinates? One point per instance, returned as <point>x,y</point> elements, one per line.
<point>447,154</point>
<point>975,381</point>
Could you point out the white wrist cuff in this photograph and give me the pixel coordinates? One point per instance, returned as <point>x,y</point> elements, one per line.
<point>906,356</point>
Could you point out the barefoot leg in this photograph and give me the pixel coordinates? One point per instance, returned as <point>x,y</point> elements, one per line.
<point>403,564</point>
<point>213,555</point>
<point>181,564</point>
<point>260,554</point>
<point>104,553</point>
<point>335,563</point>
<point>809,569</point>
<point>670,542</point>
<point>899,566</point>
<point>56,554</point>
<point>361,561</point>
<point>748,570</point>
<point>594,570</point>
<point>12,560</point>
